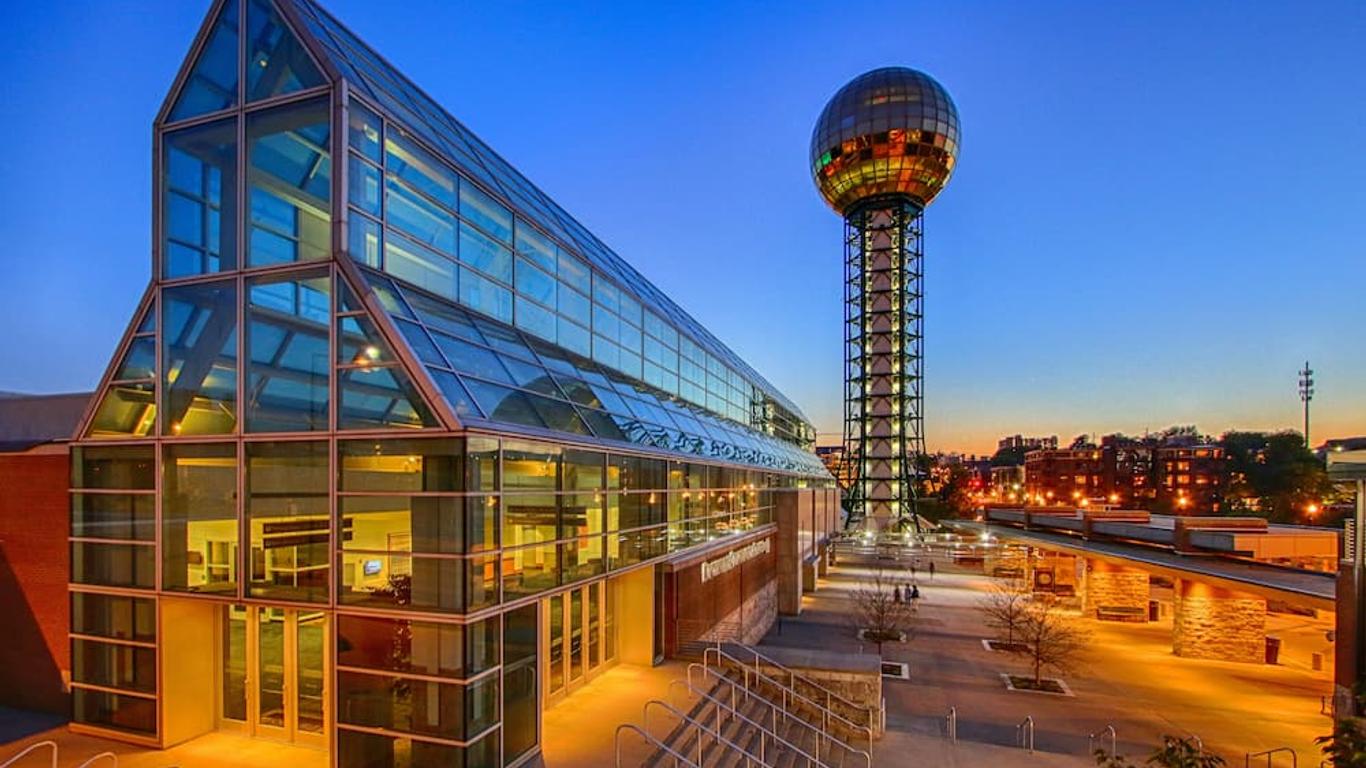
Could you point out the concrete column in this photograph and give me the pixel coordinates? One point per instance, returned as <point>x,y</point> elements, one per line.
<point>1109,586</point>
<point>786,512</point>
<point>1215,623</point>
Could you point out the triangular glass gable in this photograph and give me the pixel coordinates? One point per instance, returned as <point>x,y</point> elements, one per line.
<point>212,83</point>
<point>127,406</point>
<point>277,63</point>
<point>374,390</point>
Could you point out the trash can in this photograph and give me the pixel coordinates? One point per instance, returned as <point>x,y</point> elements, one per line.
<point>1273,649</point>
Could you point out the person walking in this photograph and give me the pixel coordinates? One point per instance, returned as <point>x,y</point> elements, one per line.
<point>915,593</point>
<point>931,570</point>
<point>896,593</point>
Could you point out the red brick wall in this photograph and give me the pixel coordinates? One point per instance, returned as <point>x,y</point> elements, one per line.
<point>34,563</point>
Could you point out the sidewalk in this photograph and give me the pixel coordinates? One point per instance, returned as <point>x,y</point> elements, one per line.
<point>1128,678</point>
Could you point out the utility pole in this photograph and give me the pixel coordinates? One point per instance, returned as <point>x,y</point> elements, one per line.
<point>1306,394</point>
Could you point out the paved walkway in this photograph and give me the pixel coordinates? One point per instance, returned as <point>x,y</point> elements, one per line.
<point>580,731</point>
<point>214,750</point>
<point>1128,678</point>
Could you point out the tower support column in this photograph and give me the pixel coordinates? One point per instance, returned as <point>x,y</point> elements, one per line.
<point>883,422</point>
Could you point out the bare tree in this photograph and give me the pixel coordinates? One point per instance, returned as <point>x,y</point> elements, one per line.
<point>881,615</point>
<point>1005,607</point>
<point>1050,639</point>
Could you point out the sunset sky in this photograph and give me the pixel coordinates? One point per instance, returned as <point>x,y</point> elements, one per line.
<point>1158,215</point>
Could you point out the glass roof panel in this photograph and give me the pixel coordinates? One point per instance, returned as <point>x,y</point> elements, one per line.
<point>410,105</point>
<point>212,83</point>
<point>276,63</point>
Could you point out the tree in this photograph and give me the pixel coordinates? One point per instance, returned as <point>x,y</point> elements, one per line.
<point>1013,456</point>
<point>1049,639</point>
<point>1345,747</point>
<point>881,616</point>
<point>1004,609</point>
<point>1273,475</point>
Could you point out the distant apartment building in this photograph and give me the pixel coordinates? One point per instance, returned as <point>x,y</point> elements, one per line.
<point>1028,443</point>
<point>833,457</point>
<point>1006,480</point>
<point>1140,473</point>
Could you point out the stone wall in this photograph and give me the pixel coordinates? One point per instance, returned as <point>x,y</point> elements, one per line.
<point>750,622</point>
<point>1213,623</point>
<point>1114,586</point>
<point>855,677</point>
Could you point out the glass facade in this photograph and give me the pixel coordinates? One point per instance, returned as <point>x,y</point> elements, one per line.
<point>381,412</point>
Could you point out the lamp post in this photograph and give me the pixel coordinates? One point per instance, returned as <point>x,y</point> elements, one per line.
<point>1306,394</point>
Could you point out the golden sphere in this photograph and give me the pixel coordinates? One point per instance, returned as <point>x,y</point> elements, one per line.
<point>891,131</point>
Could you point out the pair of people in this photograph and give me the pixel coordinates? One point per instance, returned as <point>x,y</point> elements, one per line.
<point>912,592</point>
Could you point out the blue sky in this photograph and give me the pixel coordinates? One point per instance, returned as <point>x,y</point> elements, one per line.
<point>1159,210</point>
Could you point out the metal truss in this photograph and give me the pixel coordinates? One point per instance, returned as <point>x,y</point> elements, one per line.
<point>883,382</point>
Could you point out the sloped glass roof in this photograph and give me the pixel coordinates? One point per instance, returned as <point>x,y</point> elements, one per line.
<point>493,374</point>
<point>375,79</point>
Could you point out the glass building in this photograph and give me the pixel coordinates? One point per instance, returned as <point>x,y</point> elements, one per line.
<point>395,452</point>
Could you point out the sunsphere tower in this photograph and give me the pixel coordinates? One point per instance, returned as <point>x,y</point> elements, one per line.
<point>882,149</point>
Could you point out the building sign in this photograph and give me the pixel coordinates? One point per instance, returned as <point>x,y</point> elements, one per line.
<point>731,559</point>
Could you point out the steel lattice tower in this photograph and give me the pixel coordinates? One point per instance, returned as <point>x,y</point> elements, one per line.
<point>883,424</point>
<point>882,149</point>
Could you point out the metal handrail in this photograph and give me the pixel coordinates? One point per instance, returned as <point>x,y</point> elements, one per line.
<point>715,734</point>
<point>100,756</point>
<point>33,748</point>
<point>1024,734</point>
<point>1091,739</point>
<point>649,740</point>
<point>764,733</point>
<point>829,694</point>
<point>1294,757</point>
<point>951,725</point>
<point>826,712</point>
<point>821,735</point>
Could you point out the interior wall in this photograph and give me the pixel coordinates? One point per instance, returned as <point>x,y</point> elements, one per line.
<point>187,668</point>
<point>635,616</point>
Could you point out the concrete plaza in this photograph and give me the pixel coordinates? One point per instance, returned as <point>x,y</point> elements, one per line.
<point>1128,678</point>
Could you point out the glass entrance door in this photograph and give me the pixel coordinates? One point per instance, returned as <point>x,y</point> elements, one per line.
<point>572,632</point>
<point>274,670</point>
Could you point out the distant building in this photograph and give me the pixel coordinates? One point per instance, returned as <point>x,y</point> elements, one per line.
<point>1028,443</point>
<point>833,457</point>
<point>1006,480</point>
<point>1142,473</point>
<point>1340,445</point>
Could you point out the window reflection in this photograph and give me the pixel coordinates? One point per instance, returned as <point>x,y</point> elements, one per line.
<point>289,170</point>
<point>287,352</point>
<point>199,200</point>
<point>199,358</point>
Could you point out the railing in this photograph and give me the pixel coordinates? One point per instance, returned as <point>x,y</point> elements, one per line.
<point>30,749</point>
<point>815,690</point>
<point>765,734</point>
<point>791,697</point>
<point>823,739</point>
<point>679,760</point>
<point>100,756</point>
<point>951,725</point>
<point>1294,757</point>
<point>1024,734</point>
<point>1091,740</point>
<point>699,728</point>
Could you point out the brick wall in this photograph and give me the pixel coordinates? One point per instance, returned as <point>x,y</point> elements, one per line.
<point>1113,586</point>
<point>34,564</point>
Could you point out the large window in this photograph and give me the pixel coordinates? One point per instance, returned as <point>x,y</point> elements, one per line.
<point>417,687</point>
<point>288,363</point>
<point>289,173</point>
<point>113,542</point>
<point>199,547</point>
<point>199,200</point>
<point>199,358</point>
<point>288,520</point>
